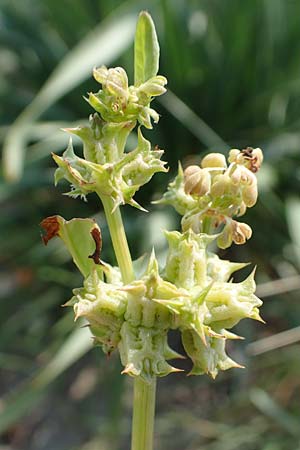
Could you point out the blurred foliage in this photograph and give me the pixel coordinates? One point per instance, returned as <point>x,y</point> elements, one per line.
<point>234,78</point>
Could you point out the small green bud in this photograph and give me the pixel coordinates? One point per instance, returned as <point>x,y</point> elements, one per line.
<point>228,303</point>
<point>117,102</point>
<point>100,74</point>
<point>114,80</point>
<point>154,86</point>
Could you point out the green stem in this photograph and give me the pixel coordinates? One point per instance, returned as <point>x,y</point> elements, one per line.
<point>144,393</point>
<point>207,225</point>
<point>119,240</point>
<point>143,415</point>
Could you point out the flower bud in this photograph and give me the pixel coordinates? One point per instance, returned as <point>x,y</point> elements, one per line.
<point>154,86</point>
<point>240,232</point>
<point>236,174</point>
<point>114,80</point>
<point>196,181</point>
<point>117,82</point>
<point>100,74</point>
<point>247,177</point>
<point>233,154</point>
<point>214,160</point>
<point>220,185</point>
<point>250,194</point>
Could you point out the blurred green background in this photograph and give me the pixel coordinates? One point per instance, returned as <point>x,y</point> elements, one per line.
<point>234,78</point>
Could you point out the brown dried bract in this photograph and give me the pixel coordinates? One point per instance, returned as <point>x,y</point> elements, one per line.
<point>96,235</point>
<point>50,226</point>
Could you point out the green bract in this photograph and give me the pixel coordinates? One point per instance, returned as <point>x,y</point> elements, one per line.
<point>119,176</point>
<point>193,293</point>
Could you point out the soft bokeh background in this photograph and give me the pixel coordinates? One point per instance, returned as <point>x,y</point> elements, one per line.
<point>234,75</point>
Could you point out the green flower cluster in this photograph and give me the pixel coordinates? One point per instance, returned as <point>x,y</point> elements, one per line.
<point>209,196</point>
<point>106,168</point>
<point>118,175</point>
<point>118,102</point>
<point>193,293</point>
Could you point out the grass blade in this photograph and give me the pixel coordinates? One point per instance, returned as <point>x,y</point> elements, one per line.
<point>22,400</point>
<point>101,46</point>
<point>192,122</point>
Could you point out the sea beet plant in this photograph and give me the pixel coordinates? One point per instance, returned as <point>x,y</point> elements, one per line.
<point>194,292</point>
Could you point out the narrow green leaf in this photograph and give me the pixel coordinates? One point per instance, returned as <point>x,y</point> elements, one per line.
<point>101,46</point>
<point>22,400</point>
<point>192,122</point>
<point>266,404</point>
<point>76,345</point>
<point>293,218</point>
<point>146,49</point>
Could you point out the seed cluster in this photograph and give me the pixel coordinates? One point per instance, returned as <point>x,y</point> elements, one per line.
<point>208,197</point>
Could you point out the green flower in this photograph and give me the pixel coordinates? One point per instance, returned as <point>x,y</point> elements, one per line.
<point>194,293</point>
<point>130,318</point>
<point>118,102</point>
<point>119,179</point>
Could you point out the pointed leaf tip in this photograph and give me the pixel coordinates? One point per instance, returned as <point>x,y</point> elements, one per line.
<point>146,49</point>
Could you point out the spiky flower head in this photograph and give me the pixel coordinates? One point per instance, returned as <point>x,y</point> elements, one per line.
<point>118,178</point>
<point>193,293</point>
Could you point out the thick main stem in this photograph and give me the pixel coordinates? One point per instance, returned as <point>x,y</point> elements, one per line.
<point>143,415</point>
<point>119,240</point>
<point>144,393</point>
